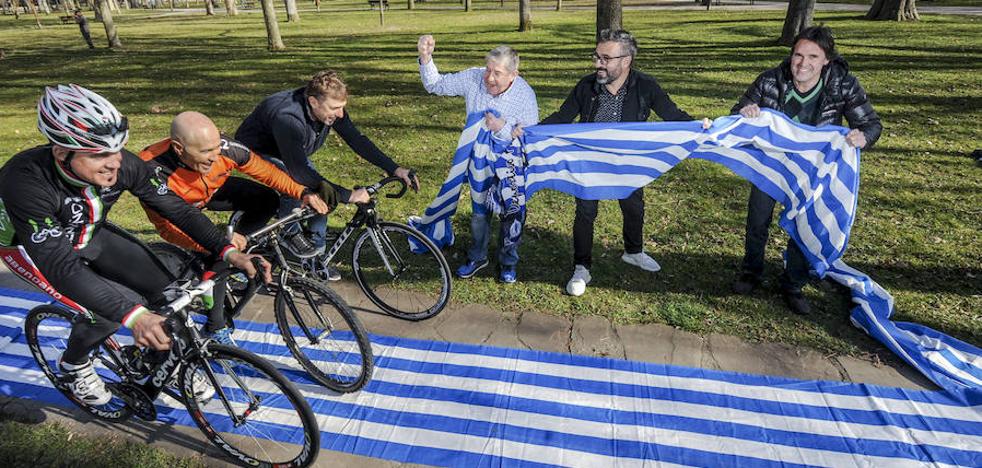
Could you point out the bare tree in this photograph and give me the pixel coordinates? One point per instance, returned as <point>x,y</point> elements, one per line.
<point>799,17</point>
<point>292,14</point>
<point>34,10</point>
<point>608,15</point>
<point>524,15</point>
<point>107,21</point>
<point>230,8</point>
<point>893,10</point>
<point>272,29</point>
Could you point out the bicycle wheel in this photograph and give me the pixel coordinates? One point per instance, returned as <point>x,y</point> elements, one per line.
<point>393,255</point>
<point>256,416</point>
<point>47,328</point>
<point>324,335</point>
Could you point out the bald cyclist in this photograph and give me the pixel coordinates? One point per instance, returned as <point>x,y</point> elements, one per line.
<point>196,163</point>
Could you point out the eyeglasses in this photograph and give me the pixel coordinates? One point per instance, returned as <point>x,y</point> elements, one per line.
<point>603,59</point>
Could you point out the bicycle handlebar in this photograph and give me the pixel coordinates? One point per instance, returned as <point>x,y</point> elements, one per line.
<point>374,188</point>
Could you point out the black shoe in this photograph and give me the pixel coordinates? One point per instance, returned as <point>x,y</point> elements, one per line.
<point>797,302</point>
<point>298,244</point>
<point>746,284</point>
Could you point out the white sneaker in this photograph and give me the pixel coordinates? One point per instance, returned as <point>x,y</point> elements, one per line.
<point>85,384</point>
<point>577,284</point>
<point>642,261</point>
<point>203,391</point>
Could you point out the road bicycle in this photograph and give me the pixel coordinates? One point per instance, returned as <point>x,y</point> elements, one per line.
<point>241,403</point>
<point>318,327</point>
<point>397,267</point>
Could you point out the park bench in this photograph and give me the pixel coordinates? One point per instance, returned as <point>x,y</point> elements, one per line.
<point>67,19</point>
<point>373,4</point>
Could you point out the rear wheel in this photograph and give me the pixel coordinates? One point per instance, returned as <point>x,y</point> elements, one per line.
<point>393,255</point>
<point>47,328</point>
<point>324,335</point>
<point>255,413</point>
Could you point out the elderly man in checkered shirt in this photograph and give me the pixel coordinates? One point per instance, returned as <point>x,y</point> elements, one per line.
<point>497,87</point>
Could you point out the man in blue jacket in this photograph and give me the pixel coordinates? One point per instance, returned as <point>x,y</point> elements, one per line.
<point>290,126</point>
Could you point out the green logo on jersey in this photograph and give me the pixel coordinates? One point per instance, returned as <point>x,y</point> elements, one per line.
<point>6,227</point>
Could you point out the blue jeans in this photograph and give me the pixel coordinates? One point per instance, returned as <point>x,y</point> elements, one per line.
<point>316,225</point>
<point>481,234</point>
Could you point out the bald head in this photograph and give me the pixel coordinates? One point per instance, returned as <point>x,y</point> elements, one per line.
<point>196,140</point>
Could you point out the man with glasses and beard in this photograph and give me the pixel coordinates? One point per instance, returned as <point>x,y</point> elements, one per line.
<point>616,92</point>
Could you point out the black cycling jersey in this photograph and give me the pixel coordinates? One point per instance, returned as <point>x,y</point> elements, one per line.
<point>55,216</point>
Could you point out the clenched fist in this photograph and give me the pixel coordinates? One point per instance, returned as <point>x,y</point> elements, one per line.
<point>425,46</point>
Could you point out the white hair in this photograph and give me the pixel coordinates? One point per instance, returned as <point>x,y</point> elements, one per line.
<point>503,55</point>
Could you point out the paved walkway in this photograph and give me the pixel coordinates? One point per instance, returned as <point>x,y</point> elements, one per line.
<point>480,324</point>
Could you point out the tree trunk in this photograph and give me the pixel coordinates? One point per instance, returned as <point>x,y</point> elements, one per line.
<point>799,17</point>
<point>467,5</point>
<point>96,9</point>
<point>172,4</point>
<point>524,15</point>
<point>317,3</point>
<point>559,5</point>
<point>272,29</point>
<point>381,13</point>
<point>45,8</point>
<point>608,15</point>
<point>34,10</point>
<point>209,8</point>
<point>411,5</point>
<point>230,8</point>
<point>893,10</point>
<point>107,21</point>
<point>291,10</point>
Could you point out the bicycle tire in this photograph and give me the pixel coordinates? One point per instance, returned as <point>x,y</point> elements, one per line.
<point>334,350</point>
<point>428,266</point>
<point>47,328</point>
<point>273,409</point>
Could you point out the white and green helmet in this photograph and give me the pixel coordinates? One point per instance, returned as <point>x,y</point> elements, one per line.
<point>80,120</point>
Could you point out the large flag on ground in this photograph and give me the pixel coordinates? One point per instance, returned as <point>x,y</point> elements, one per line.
<point>811,171</point>
<point>449,404</point>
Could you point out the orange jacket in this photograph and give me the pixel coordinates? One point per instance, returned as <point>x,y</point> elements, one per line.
<point>197,189</point>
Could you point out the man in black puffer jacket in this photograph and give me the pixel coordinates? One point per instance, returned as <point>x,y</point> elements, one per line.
<point>813,87</point>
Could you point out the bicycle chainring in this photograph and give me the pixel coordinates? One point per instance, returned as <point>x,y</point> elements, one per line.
<point>136,399</point>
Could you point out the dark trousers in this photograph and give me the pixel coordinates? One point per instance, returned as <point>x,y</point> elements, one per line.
<point>123,261</point>
<point>87,37</point>
<point>258,204</point>
<point>632,209</point>
<point>760,210</point>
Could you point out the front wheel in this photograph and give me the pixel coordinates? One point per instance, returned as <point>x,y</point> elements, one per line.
<point>324,334</point>
<point>255,415</point>
<point>47,328</point>
<point>394,255</point>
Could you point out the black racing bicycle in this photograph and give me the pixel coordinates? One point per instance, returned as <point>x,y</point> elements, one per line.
<point>397,267</point>
<point>241,403</point>
<point>317,326</point>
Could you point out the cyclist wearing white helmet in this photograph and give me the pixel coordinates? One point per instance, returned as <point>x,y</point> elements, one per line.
<point>54,200</point>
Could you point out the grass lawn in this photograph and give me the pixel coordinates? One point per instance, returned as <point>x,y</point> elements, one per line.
<point>52,444</point>
<point>920,211</point>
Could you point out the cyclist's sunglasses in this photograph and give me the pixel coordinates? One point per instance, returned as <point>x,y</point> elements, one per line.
<point>107,129</point>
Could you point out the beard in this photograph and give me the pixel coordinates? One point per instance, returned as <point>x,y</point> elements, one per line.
<point>603,78</point>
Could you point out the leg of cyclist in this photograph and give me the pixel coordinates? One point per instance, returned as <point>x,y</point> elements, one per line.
<point>140,273</point>
<point>258,204</point>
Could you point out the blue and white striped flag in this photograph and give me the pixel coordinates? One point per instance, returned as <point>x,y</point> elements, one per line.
<point>811,171</point>
<point>460,405</point>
